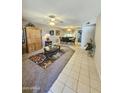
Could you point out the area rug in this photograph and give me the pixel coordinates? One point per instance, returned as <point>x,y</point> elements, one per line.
<point>40,59</point>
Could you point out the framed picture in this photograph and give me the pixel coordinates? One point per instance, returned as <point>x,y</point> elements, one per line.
<point>51,32</point>
<point>57,32</point>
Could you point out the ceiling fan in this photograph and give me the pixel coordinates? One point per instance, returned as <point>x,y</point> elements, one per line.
<point>55,18</point>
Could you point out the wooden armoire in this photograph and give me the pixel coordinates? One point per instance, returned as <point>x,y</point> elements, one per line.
<point>33,38</point>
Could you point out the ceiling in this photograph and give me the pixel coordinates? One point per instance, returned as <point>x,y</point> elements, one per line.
<point>68,12</point>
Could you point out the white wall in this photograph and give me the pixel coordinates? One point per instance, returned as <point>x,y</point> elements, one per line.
<point>87,33</point>
<point>98,45</point>
<point>46,29</point>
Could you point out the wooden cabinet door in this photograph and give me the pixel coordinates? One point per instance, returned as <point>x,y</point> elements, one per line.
<point>33,39</point>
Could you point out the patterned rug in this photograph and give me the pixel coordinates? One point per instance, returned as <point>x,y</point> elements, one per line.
<point>40,59</point>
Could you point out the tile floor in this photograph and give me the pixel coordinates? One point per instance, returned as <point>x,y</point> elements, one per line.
<point>78,76</point>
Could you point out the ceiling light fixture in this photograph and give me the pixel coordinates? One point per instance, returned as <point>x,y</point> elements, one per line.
<point>52,19</point>
<point>51,23</point>
<point>69,29</point>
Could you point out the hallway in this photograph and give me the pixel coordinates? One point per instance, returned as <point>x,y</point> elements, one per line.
<point>78,76</point>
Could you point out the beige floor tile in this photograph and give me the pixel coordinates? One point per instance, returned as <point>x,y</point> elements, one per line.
<point>94,76</point>
<point>62,78</point>
<point>66,72</point>
<point>95,84</point>
<point>84,73</point>
<point>84,63</point>
<point>76,63</point>
<point>84,80</point>
<point>76,67</point>
<point>70,63</point>
<point>91,62</point>
<point>93,69</point>
<point>76,70</point>
<point>68,68</point>
<point>95,91</point>
<point>72,83</point>
<point>74,75</point>
<point>83,88</point>
<point>57,87</point>
<point>68,90</point>
<point>84,67</point>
